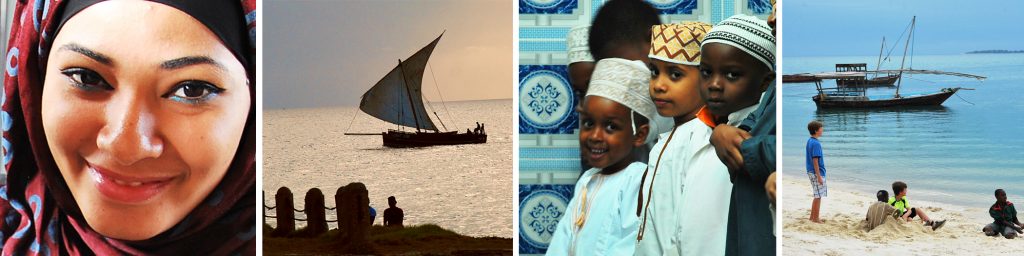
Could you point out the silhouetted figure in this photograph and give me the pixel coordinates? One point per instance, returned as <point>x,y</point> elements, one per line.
<point>393,215</point>
<point>373,215</point>
<point>482,129</point>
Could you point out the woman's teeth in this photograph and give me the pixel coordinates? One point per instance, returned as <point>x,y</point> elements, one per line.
<point>128,183</point>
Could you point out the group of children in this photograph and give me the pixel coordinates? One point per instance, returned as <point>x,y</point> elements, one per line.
<point>896,206</point>
<point>678,143</point>
<point>1003,213</point>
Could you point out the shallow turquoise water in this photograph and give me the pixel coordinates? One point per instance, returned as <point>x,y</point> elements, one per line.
<point>957,153</point>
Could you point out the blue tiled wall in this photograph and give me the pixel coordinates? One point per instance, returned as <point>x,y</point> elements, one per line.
<point>549,142</point>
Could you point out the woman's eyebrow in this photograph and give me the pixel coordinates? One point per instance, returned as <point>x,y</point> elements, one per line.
<point>99,57</point>
<point>189,61</point>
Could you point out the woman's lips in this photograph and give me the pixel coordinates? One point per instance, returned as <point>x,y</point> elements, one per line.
<point>125,189</point>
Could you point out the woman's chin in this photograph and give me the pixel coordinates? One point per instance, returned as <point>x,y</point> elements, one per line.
<point>131,223</point>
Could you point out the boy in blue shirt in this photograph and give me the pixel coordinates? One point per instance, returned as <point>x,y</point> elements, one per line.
<point>816,168</point>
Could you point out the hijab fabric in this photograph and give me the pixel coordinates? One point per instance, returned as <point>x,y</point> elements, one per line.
<point>38,214</point>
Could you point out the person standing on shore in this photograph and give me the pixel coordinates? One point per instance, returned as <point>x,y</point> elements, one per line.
<point>816,168</point>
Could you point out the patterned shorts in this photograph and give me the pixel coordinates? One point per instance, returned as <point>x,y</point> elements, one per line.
<point>820,190</point>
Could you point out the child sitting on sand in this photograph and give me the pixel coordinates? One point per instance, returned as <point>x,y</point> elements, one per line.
<point>614,121</point>
<point>880,211</point>
<point>903,209</point>
<point>1005,218</point>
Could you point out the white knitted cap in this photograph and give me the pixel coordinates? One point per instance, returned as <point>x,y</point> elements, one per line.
<point>576,43</point>
<point>748,33</point>
<point>626,82</point>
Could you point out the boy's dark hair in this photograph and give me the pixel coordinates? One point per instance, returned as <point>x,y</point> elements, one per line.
<point>813,126</point>
<point>621,23</point>
<point>639,119</point>
<point>1000,191</point>
<point>898,187</point>
<point>882,195</point>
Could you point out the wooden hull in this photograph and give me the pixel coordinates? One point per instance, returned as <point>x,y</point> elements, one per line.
<point>799,79</point>
<point>874,82</point>
<point>933,99</point>
<point>400,139</point>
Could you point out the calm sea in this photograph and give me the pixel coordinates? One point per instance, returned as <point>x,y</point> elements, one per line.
<point>464,188</point>
<point>957,153</point>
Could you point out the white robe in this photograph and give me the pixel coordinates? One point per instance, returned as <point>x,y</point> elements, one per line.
<point>689,206</point>
<point>611,223</point>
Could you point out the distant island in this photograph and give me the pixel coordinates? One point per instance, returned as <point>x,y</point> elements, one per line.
<point>995,51</point>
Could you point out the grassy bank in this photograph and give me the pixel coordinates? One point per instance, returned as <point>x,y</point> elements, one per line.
<point>426,239</point>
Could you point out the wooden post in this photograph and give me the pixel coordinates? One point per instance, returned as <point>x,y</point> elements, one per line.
<point>285,212</point>
<point>353,204</point>
<point>316,218</point>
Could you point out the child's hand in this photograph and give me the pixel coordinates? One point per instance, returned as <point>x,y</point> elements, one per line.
<point>769,186</point>
<point>727,140</point>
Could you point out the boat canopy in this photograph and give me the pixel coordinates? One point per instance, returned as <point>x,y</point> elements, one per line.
<point>855,74</point>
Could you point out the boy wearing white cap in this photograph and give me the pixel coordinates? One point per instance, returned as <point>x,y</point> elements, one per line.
<point>685,198</point>
<point>737,66</point>
<point>615,118</point>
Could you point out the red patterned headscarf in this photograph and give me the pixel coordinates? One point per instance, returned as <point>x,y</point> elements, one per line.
<point>38,214</point>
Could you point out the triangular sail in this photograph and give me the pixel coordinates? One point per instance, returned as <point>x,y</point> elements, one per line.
<point>397,97</point>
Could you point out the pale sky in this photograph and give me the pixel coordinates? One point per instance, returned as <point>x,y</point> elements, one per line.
<point>319,53</point>
<point>845,28</point>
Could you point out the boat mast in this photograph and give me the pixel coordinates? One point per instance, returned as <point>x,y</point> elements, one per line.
<point>913,21</point>
<point>879,65</point>
<point>409,93</point>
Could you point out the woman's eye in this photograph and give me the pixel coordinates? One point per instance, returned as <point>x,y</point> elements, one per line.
<point>86,79</point>
<point>194,92</point>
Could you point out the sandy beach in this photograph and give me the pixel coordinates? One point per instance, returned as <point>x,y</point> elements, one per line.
<point>844,232</point>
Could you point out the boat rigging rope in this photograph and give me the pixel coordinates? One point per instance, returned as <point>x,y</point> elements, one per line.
<point>897,42</point>
<point>962,98</point>
<point>438,88</point>
<point>349,129</point>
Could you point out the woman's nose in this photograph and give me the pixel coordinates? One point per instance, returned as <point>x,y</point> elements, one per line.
<point>130,134</point>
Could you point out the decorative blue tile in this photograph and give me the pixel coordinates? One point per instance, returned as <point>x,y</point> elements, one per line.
<point>674,6</point>
<point>542,46</point>
<point>570,165</point>
<point>546,100</point>
<point>547,6</point>
<point>729,9</point>
<point>716,12</point>
<point>549,153</point>
<point>760,7</point>
<point>543,33</point>
<point>540,208</point>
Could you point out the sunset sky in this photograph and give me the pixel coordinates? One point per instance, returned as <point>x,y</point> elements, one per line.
<point>319,53</point>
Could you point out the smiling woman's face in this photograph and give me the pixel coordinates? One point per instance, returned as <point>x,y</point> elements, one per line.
<point>143,108</point>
